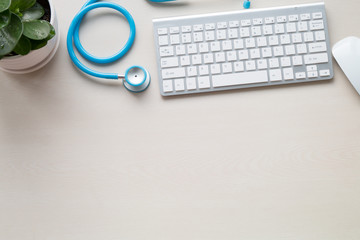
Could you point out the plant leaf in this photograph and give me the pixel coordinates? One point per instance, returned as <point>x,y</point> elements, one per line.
<point>37,44</point>
<point>36,29</point>
<point>52,32</point>
<point>23,47</point>
<point>4,18</point>
<point>33,13</point>
<point>4,5</point>
<point>21,5</point>
<point>10,35</point>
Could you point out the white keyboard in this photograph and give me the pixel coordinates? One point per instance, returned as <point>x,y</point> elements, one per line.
<point>250,48</point>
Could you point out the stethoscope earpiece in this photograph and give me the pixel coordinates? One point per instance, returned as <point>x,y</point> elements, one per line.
<point>246,4</point>
<point>136,79</point>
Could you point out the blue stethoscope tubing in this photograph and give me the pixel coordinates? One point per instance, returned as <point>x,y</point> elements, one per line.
<point>74,40</point>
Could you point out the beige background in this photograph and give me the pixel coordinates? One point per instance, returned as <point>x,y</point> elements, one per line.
<point>85,159</point>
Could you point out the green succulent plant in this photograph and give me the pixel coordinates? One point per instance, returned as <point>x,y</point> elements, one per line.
<point>22,28</point>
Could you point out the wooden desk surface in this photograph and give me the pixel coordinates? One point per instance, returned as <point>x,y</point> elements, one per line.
<point>85,159</point>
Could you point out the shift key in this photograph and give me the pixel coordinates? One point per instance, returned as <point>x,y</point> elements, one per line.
<point>170,73</point>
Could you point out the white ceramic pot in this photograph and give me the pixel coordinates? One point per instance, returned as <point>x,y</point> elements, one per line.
<point>36,59</point>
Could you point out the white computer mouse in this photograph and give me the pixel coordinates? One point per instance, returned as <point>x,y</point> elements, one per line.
<point>347,54</point>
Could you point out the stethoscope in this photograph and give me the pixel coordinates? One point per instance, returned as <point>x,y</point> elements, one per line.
<point>136,78</point>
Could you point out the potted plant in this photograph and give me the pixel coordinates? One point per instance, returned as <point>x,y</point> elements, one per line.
<point>29,35</point>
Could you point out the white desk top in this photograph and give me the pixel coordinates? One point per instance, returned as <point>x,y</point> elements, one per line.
<point>82,159</point>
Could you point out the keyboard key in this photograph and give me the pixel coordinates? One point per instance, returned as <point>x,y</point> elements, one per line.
<point>239,78</point>
<point>162,31</point>
<point>305,16</point>
<point>185,60</point>
<point>285,61</point>
<point>169,62</point>
<point>250,65</point>
<point>243,54</point>
<point>233,33</point>
<point>204,82</point>
<point>293,18</point>
<point>238,44</point>
<point>203,47</point>
<point>303,26</point>
<point>316,58</point>
<point>262,64</point>
<point>320,36</point>
<point>317,15</point>
<point>191,83</point>
<point>186,38</point>
<point>244,32</point>
<point>311,68</point>
<point>281,19</point>
<point>210,26</point>
<point>226,67</point>
<point>174,30</point>
<point>171,73</point>
<point>245,23</point>
<point>301,48</point>
<point>215,69</point>
<point>203,70</point>
<point>279,28</point>
<point>268,30</point>
<point>278,51</point>
<point>308,37</point>
<point>296,38</point>
<point>290,50</point>
<point>226,45</point>
<point>274,63</point>
<point>166,51</point>
<point>291,27</point>
<point>250,43</point>
<point>324,73</point>
<point>179,85</point>
<point>313,74</point>
<point>257,21</point>
<point>163,40</point>
<point>215,46</point>
<point>219,57</point>
<point>231,56</point>
<point>269,20</point>
<point>167,86</point>
<point>198,28</point>
<point>288,73</point>
<point>198,37</point>
<point>317,47</point>
<point>221,25</point>
<point>196,59</point>
<point>266,52</point>
<point>191,48</point>
<point>234,24</point>
<point>208,58</point>
<point>221,34</point>
<point>297,60</point>
<point>275,75</point>
<point>186,29</point>
<point>180,50</point>
<point>300,75</point>
<point>191,71</point>
<point>316,25</point>
<point>273,40</point>
<point>239,67</point>
<point>174,39</point>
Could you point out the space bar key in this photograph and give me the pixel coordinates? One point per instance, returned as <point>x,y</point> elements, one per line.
<point>239,78</point>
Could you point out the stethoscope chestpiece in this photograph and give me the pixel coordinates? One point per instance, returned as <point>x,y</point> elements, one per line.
<point>136,79</point>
